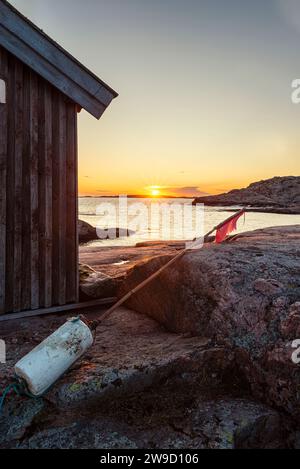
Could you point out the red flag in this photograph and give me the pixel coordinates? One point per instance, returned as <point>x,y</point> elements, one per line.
<point>227,227</point>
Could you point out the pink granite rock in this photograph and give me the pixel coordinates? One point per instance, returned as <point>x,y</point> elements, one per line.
<point>244,294</point>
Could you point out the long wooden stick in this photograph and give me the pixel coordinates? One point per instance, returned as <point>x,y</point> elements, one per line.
<point>156,274</point>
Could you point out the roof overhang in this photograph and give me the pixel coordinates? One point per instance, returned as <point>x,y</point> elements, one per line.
<point>33,47</point>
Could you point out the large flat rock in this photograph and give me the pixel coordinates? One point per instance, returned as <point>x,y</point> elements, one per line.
<point>132,353</point>
<point>210,424</point>
<point>116,261</point>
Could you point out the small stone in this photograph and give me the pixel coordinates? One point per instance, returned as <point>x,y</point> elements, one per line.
<point>290,327</point>
<point>96,284</point>
<point>267,286</point>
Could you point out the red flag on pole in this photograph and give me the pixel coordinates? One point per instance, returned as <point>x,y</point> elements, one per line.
<point>227,227</point>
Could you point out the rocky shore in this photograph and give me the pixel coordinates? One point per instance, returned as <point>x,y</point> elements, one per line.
<point>202,358</point>
<point>276,195</point>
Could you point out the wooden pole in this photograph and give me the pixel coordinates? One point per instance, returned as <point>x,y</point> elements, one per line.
<point>139,287</point>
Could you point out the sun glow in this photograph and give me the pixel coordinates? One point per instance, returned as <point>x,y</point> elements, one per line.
<point>155,192</point>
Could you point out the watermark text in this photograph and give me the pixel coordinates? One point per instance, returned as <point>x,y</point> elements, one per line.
<point>2,352</point>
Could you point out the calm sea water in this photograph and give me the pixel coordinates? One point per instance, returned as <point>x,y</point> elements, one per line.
<point>89,212</point>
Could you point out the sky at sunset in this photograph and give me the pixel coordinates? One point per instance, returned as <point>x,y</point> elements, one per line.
<point>204,89</point>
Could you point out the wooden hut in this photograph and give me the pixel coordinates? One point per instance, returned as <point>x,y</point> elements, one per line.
<point>42,88</point>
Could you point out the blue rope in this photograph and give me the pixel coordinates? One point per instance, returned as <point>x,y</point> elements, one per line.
<point>10,387</point>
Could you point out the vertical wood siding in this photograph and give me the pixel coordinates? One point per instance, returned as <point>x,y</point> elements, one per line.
<point>3,172</point>
<point>38,192</point>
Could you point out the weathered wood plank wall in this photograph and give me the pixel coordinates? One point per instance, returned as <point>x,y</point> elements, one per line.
<point>38,192</point>
<point>3,172</point>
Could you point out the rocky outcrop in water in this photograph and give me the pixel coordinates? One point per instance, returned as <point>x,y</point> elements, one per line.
<point>277,193</point>
<point>87,232</point>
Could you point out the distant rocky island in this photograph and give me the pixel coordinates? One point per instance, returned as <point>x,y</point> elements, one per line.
<point>133,196</point>
<point>279,194</point>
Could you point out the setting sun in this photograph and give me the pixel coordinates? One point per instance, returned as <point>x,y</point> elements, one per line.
<point>155,192</point>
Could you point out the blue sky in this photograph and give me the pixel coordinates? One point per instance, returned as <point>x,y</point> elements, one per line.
<point>204,90</point>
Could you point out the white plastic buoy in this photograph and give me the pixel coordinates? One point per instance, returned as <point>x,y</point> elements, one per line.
<point>42,367</point>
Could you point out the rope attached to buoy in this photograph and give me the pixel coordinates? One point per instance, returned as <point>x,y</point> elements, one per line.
<point>20,389</point>
<point>16,387</point>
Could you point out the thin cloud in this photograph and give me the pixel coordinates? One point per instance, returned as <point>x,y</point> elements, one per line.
<point>188,191</point>
<point>103,192</point>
